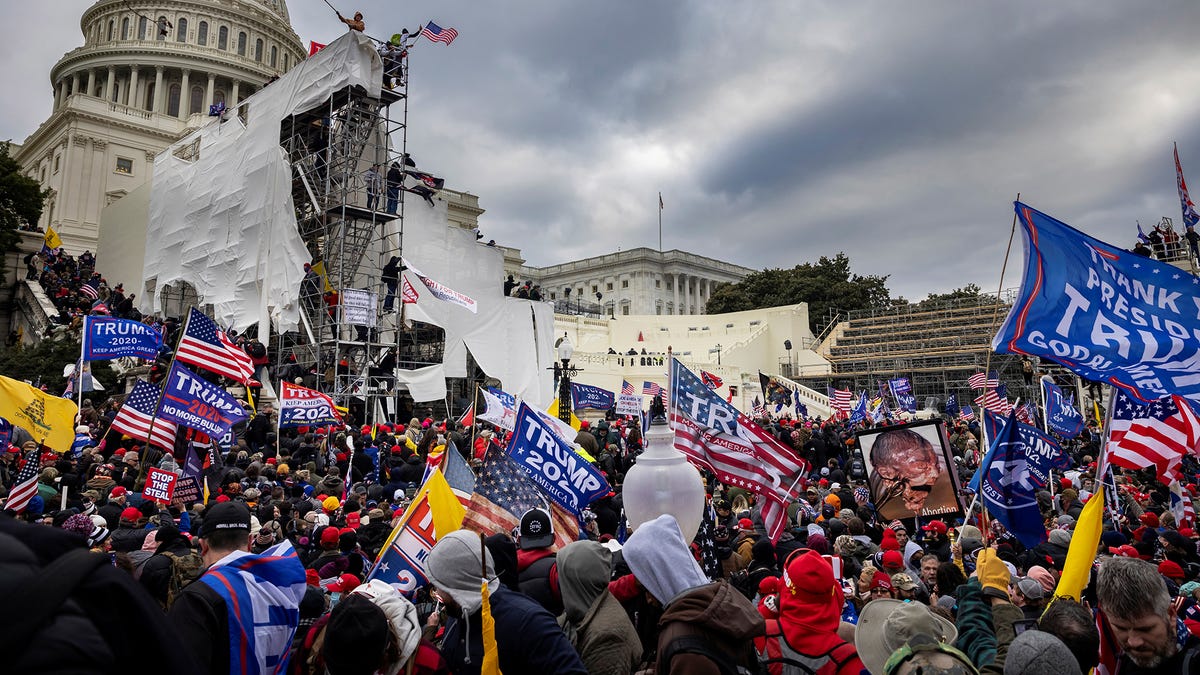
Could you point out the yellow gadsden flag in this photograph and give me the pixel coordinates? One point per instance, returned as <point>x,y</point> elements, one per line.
<point>39,413</point>
<point>52,239</point>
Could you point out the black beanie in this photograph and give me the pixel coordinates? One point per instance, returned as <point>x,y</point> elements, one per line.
<point>355,637</point>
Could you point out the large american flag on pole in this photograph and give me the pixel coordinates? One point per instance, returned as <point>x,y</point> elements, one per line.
<point>839,400</point>
<point>503,493</point>
<point>206,346</point>
<point>137,413</point>
<point>981,381</point>
<point>991,400</point>
<point>25,487</point>
<point>1157,434</point>
<point>653,389</point>
<point>717,436</point>
<point>627,388</point>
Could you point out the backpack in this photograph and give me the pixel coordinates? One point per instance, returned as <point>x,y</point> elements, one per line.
<point>795,663</point>
<point>184,570</point>
<point>742,583</point>
<point>697,644</point>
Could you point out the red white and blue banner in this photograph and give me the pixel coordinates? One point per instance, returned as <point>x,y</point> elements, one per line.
<point>587,396</point>
<point>1061,416</point>
<point>109,338</point>
<point>501,408</point>
<point>552,464</point>
<point>903,394</point>
<point>196,403</point>
<point>443,292</point>
<point>302,407</point>
<point>401,561</point>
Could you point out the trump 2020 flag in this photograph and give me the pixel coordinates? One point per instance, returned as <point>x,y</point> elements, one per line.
<point>1106,314</point>
<point>196,403</point>
<point>302,407</point>
<point>587,396</point>
<point>552,464</point>
<point>1009,487</point>
<point>1061,416</point>
<point>501,408</point>
<point>105,337</point>
<point>903,393</point>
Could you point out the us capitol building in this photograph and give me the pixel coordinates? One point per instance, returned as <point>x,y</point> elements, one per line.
<point>146,75</point>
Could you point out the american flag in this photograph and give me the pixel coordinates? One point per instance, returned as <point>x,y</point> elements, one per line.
<point>627,388</point>
<point>966,414</point>
<point>438,34</point>
<point>652,389</point>
<point>711,380</point>
<point>1181,506</point>
<point>1158,434</point>
<point>25,488</point>
<point>839,400</point>
<point>136,414</point>
<point>503,494</point>
<point>739,451</point>
<point>991,400</point>
<point>89,290</point>
<point>758,410</point>
<point>981,381</point>
<point>206,346</point>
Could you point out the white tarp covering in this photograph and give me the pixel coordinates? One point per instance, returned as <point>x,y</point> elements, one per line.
<point>511,340</point>
<point>424,384</point>
<point>225,223</point>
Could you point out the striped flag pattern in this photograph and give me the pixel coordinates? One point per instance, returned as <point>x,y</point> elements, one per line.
<point>137,413</point>
<point>206,346</point>
<point>627,388</point>
<point>89,291</point>
<point>25,488</point>
<point>652,389</point>
<point>966,414</point>
<point>981,381</point>
<point>991,400</point>
<point>503,493</point>
<point>1158,434</point>
<point>438,34</point>
<point>840,399</point>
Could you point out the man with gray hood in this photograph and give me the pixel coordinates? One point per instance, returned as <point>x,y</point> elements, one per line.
<point>593,619</point>
<point>706,628</point>
<point>527,636</point>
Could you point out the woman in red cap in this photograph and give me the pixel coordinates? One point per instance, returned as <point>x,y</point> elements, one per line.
<point>810,611</point>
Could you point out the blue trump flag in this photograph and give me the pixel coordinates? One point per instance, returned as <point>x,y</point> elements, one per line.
<point>952,405</point>
<point>1061,416</point>
<point>1104,313</point>
<point>902,391</point>
<point>1049,454</point>
<point>860,410</point>
<point>105,337</point>
<point>196,403</point>
<point>587,396</point>
<point>1017,466</point>
<point>552,464</point>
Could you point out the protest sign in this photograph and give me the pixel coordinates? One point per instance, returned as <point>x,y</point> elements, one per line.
<point>160,485</point>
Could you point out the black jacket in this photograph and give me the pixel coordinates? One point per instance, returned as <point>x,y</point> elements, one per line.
<point>529,640</point>
<point>156,573</point>
<point>201,623</point>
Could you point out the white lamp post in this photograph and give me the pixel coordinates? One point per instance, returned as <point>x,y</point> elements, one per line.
<point>663,481</point>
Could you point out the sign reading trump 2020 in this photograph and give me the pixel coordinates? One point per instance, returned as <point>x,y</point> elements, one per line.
<point>109,338</point>
<point>301,407</point>
<point>553,465</point>
<point>198,404</point>
<point>1103,312</point>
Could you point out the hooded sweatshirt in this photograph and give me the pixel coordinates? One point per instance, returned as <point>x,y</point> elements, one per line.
<point>661,561</point>
<point>594,621</point>
<point>810,611</point>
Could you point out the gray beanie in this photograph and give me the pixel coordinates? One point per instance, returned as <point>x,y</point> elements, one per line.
<point>1060,537</point>
<point>1035,652</point>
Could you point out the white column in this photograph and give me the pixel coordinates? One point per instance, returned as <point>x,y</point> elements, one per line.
<point>185,95</point>
<point>75,83</point>
<point>91,89</point>
<point>131,97</point>
<point>58,93</point>
<point>675,287</point>
<point>158,90</point>
<point>208,93</point>
<point>108,83</point>
<point>233,96</point>
<point>687,294</point>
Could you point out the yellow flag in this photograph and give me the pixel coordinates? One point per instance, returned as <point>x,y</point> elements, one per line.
<point>52,239</point>
<point>491,653</point>
<point>553,410</point>
<point>39,413</point>
<point>444,506</point>
<point>1078,566</point>
<point>319,268</point>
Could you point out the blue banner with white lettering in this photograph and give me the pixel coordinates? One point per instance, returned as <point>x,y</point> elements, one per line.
<point>196,403</point>
<point>105,337</point>
<point>1061,416</point>
<point>859,413</point>
<point>1105,313</point>
<point>902,391</point>
<point>1049,455</point>
<point>587,396</point>
<point>1016,467</point>
<point>552,465</point>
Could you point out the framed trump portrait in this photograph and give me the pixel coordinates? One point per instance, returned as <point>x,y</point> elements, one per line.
<point>910,471</point>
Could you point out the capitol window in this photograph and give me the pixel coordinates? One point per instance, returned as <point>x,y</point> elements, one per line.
<point>125,28</point>
<point>141,28</point>
<point>258,50</point>
<point>110,31</point>
<point>241,50</point>
<point>222,38</point>
<point>124,165</point>
<point>202,34</point>
<point>624,283</point>
<point>181,33</point>
<point>173,100</point>
<point>274,56</point>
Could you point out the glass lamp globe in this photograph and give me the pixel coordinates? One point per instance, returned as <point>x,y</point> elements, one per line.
<point>663,481</point>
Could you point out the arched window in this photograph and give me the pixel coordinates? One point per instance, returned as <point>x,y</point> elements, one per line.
<point>241,44</point>
<point>258,50</point>
<point>110,31</point>
<point>218,96</point>
<point>274,56</point>
<point>202,34</point>
<point>125,28</point>
<point>286,61</point>
<point>173,100</point>
<point>162,28</point>
<point>181,30</point>
<point>141,28</point>
<point>197,99</point>
<point>223,38</point>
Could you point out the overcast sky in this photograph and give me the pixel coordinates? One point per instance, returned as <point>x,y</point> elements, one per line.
<point>777,132</point>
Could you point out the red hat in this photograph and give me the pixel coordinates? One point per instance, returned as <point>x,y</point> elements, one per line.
<point>935,526</point>
<point>1187,532</point>
<point>131,514</point>
<point>1150,519</point>
<point>345,583</point>
<point>329,536</point>
<point>1064,483</point>
<point>119,452</point>
<point>768,586</point>
<point>353,520</point>
<point>746,524</point>
<point>584,424</point>
<point>1171,570</point>
<point>1124,550</point>
<point>366,429</point>
<point>302,430</point>
<point>385,428</point>
<point>272,461</point>
<point>119,491</point>
<point>824,482</point>
<point>808,586</point>
<point>893,560</point>
<point>396,450</point>
<point>322,431</point>
<point>221,499</point>
<point>312,578</point>
<point>889,542</point>
<point>400,428</point>
<point>881,580</point>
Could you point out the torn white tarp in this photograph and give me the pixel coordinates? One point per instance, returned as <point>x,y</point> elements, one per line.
<point>424,384</point>
<point>225,223</point>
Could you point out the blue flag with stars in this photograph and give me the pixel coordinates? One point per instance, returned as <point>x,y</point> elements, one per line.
<point>952,405</point>
<point>1017,465</point>
<point>1061,415</point>
<point>1104,313</point>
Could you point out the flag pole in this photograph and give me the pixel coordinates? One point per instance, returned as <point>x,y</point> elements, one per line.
<point>660,210</point>
<point>79,370</point>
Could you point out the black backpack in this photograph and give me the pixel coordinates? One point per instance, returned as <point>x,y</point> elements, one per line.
<point>697,644</point>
